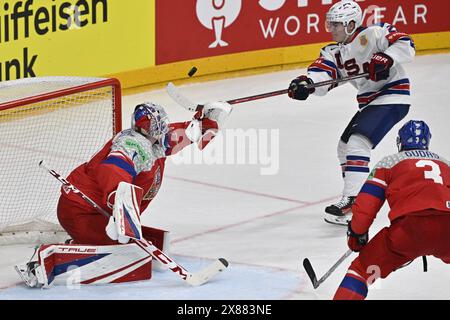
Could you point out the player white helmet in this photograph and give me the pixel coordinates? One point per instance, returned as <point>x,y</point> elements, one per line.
<point>151,120</point>
<point>345,11</point>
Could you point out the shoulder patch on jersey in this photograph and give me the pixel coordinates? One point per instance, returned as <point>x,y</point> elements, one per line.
<point>372,174</point>
<point>373,177</point>
<point>139,150</point>
<point>138,147</point>
<point>363,40</point>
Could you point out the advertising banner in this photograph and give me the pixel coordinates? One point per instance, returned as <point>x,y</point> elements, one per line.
<point>193,29</point>
<point>75,37</point>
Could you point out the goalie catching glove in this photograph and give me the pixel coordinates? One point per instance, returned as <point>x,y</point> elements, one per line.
<point>125,221</point>
<point>207,122</point>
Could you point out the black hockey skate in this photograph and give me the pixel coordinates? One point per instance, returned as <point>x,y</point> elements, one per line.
<point>341,212</point>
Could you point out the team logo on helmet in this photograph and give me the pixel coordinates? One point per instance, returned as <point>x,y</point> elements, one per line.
<point>414,134</point>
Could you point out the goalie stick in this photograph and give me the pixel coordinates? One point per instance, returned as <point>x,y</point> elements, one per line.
<point>183,101</point>
<point>194,279</point>
<point>312,275</point>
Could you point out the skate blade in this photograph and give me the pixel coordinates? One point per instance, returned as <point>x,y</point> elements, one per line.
<point>340,221</point>
<point>23,273</point>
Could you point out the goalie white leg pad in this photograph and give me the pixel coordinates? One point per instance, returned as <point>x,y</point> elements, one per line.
<point>75,265</point>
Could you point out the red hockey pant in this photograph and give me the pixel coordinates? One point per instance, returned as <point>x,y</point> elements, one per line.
<point>84,225</point>
<point>406,239</point>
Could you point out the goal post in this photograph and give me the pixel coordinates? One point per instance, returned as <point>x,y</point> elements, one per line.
<point>62,120</point>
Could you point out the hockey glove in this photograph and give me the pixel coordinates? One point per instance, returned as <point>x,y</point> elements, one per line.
<point>379,66</point>
<point>207,123</point>
<point>297,89</point>
<point>356,241</point>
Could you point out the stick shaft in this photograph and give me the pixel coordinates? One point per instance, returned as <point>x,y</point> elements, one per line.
<point>280,92</point>
<point>334,267</point>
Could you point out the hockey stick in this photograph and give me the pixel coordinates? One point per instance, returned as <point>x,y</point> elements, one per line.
<point>194,279</point>
<point>183,101</point>
<point>312,275</point>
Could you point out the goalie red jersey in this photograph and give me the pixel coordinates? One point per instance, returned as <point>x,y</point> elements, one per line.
<point>411,181</point>
<point>129,157</point>
<point>135,156</point>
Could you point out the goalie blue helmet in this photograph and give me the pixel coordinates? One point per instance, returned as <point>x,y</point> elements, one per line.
<point>415,134</point>
<point>151,120</point>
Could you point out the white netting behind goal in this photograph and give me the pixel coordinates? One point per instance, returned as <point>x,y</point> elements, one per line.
<point>61,120</point>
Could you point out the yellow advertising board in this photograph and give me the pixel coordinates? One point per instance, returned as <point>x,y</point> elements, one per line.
<point>75,37</point>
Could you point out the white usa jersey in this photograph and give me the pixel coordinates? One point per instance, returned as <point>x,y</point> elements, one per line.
<point>341,60</point>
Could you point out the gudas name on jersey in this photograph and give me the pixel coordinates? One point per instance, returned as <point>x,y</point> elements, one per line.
<point>416,154</point>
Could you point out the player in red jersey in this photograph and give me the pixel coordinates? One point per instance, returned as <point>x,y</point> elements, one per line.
<point>136,156</point>
<point>416,184</point>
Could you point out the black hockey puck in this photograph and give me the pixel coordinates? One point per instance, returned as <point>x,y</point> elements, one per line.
<point>192,71</point>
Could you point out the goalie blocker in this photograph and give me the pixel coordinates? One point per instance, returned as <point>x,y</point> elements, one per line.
<point>125,223</point>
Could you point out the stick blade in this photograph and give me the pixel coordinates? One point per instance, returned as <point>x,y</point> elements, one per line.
<point>310,272</point>
<point>180,99</point>
<point>203,276</point>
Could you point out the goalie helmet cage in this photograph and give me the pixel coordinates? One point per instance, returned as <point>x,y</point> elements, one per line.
<point>62,120</point>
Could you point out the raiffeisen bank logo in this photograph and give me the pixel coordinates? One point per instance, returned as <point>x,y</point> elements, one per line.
<point>217,15</point>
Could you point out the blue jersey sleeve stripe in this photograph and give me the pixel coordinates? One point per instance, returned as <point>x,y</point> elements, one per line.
<point>358,158</point>
<point>122,164</point>
<point>354,285</point>
<point>357,169</point>
<point>330,64</point>
<point>385,87</point>
<point>373,190</point>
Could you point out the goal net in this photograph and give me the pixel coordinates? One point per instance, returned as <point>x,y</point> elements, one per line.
<point>61,120</point>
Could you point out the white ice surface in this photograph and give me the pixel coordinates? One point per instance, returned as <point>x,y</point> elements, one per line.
<point>266,224</point>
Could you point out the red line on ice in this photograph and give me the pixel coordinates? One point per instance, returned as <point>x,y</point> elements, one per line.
<point>239,190</point>
<point>251,220</point>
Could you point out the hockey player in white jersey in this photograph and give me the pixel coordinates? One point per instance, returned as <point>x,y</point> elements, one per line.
<point>383,96</point>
